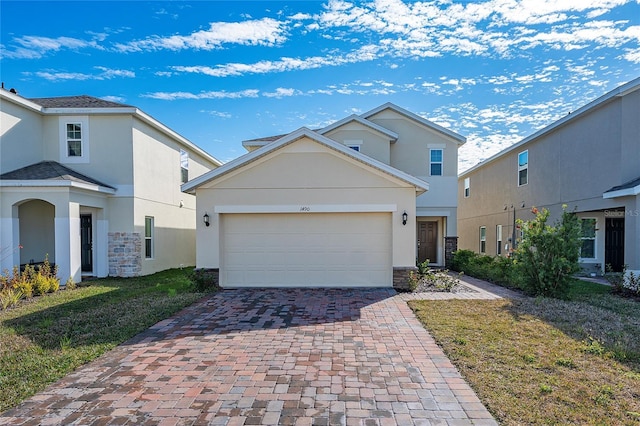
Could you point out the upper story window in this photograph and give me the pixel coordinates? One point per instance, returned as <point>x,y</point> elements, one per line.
<point>523,168</point>
<point>467,189</point>
<point>354,144</point>
<point>588,236</point>
<point>184,166</point>
<point>435,162</point>
<point>74,139</point>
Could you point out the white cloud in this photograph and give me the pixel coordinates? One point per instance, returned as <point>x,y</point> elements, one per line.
<point>282,93</point>
<point>218,114</point>
<point>34,47</point>
<point>261,32</point>
<point>105,74</point>
<point>111,98</point>
<point>172,96</point>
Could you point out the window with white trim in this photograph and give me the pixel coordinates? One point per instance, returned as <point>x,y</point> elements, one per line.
<point>467,189</point>
<point>184,166</point>
<point>588,237</point>
<point>498,239</point>
<point>74,139</point>
<point>435,162</point>
<point>148,237</point>
<point>483,239</point>
<point>523,168</point>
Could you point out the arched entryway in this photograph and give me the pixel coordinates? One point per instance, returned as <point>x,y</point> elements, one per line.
<point>36,231</point>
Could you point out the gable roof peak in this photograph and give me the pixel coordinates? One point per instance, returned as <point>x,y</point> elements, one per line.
<point>459,139</point>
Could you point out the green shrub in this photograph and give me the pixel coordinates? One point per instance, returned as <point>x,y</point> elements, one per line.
<point>70,284</point>
<point>204,280</point>
<point>547,257</point>
<point>496,269</point>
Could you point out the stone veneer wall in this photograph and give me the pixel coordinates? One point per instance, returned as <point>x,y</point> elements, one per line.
<point>450,246</point>
<point>125,254</point>
<point>401,277</point>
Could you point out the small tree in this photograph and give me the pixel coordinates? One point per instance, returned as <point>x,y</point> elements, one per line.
<point>548,255</point>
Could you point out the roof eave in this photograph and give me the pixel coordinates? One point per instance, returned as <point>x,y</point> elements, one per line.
<point>56,184</point>
<point>627,192</point>
<point>459,139</point>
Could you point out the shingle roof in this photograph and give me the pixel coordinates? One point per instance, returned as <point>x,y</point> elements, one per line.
<point>50,170</point>
<point>628,185</point>
<point>81,101</point>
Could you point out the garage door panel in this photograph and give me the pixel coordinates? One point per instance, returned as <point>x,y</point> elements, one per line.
<point>320,250</point>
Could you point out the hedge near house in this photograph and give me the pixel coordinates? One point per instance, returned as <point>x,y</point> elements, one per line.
<point>547,256</point>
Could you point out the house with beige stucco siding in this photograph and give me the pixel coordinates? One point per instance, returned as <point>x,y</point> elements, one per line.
<point>356,203</point>
<point>94,186</point>
<point>589,161</point>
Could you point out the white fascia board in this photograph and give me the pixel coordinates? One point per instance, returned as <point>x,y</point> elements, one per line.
<point>12,97</point>
<point>627,192</point>
<point>248,144</point>
<point>189,187</point>
<point>55,184</point>
<point>623,90</point>
<point>461,140</point>
<point>386,132</point>
<point>308,208</point>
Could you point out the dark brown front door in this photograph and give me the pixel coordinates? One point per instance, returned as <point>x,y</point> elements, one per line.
<point>86,243</point>
<point>427,241</point>
<point>614,243</point>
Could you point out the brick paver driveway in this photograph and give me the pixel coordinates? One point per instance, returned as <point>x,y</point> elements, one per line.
<point>303,357</point>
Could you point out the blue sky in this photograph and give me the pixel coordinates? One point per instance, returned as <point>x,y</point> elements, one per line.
<point>219,72</point>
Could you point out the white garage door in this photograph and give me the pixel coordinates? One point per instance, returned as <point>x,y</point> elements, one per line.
<point>312,249</point>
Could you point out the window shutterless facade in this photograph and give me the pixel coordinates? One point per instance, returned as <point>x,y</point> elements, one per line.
<point>467,189</point>
<point>483,239</point>
<point>184,166</point>
<point>148,237</point>
<point>74,139</point>
<point>498,239</point>
<point>435,162</point>
<point>523,168</point>
<point>588,237</point>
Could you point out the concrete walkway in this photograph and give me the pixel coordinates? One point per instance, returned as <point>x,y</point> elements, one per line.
<point>268,357</point>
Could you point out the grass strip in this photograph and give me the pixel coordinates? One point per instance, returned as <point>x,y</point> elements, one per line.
<point>45,338</point>
<point>545,361</point>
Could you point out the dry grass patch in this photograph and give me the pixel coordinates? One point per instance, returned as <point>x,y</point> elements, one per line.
<point>545,361</point>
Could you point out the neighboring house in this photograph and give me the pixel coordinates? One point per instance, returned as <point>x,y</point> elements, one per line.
<point>588,160</point>
<point>340,206</point>
<point>95,186</point>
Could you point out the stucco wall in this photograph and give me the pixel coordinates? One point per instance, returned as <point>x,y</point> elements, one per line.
<point>573,164</point>
<point>21,137</point>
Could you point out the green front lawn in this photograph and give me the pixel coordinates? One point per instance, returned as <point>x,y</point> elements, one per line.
<point>546,361</point>
<point>45,338</point>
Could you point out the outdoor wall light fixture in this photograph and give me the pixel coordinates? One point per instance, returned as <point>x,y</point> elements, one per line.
<point>205,218</point>
<point>404,218</point>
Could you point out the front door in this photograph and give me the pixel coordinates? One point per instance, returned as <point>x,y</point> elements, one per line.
<point>86,243</point>
<point>428,241</point>
<point>614,243</point>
